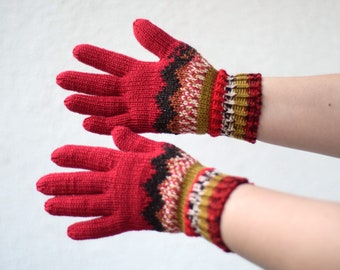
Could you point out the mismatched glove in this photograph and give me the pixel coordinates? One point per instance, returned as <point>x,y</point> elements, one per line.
<point>181,93</point>
<point>145,185</point>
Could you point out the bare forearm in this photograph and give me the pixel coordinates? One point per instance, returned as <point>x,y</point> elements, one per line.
<point>280,231</point>
<point>302,113</point>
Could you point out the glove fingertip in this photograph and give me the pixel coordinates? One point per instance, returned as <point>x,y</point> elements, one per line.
<point>40,185</point>
<point>60,78</point>
<point>122,136</point>
<point>59,156</point>
<point>71,103</point>
<point>129,141</point>
<point>72,233</point>
<point>49,208</point>
<point>138,22</point>
<point>67,80</point>
<point>81,231</point>
<point>97,125</point>
<point>78,50</point>
<point>68,102</point>
<point>89,125</point>
<point>119,132</point>
<point>153,38</point>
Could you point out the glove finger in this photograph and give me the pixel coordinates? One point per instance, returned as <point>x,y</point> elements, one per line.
<point>127,140</point>
<point>89,83</point>
<point>86,157</point>
<point>79,206</point>
<point>104,125</point>
<point>153,38</point>
<point>100,227</point>
<point>102,59</point>
<point>73,183</point>
<point>96,105</point>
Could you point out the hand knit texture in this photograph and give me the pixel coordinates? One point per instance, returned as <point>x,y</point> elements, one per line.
<point>180,93</point>
<point>145,185</point>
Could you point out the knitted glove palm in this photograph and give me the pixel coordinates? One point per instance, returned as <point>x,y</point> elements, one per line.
<point>146,185</point>
<point>181,93</point>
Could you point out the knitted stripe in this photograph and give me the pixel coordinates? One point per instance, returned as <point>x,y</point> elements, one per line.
<point>164,188</point>
<point>205,99</point>
<point>185,196</point>
<point>170,190</point>
<point>202,202</point>
<point>182,208</point>
<point>181,56</point>
<point>199,196</point>
<point>242,106</point>
<point>152,186</point>
<point>254,106</point>
<point>186,100</point>
<point>237,113</point>
<point>216,108</point>
<point>235,102</point>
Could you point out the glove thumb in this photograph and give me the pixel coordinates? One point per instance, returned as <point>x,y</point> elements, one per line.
<point>128,141</point>
<point>153,38</point>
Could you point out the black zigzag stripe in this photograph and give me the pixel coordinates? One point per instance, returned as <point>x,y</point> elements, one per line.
<point>181,56</point>
<point>151,186</point>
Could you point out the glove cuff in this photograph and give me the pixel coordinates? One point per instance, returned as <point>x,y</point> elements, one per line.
<point>236,106</point>
<point>203,195</point>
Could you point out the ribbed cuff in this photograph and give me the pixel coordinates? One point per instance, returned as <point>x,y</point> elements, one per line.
<point>236,106</point>
<point>202,201</point>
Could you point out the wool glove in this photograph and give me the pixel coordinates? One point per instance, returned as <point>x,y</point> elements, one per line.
<point>145,185</point>
<point>180,93</point>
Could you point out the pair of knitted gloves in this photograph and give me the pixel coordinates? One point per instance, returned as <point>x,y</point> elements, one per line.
<point>148,185</point>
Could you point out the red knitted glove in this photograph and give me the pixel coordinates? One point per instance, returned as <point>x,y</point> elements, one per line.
<point>181,93</point>
<point>146,185</point>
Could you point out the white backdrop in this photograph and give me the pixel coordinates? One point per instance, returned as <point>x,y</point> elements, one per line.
<point>276,38</point>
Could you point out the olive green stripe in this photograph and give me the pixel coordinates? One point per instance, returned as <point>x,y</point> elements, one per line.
<point>240,105</point>
<point>188,180</point>
<point>204,102</point>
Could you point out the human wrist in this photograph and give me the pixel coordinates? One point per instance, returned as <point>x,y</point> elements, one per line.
<point>203,194</point>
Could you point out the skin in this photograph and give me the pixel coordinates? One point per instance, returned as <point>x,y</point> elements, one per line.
<point>281,231</point>
<point>302,113</point>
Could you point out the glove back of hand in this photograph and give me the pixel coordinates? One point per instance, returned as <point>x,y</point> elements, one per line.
<point>145,185</point>
<point>180,93</point>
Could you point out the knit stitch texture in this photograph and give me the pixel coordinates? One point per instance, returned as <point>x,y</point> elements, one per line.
<point>180,93</point>
<point>145,185</point>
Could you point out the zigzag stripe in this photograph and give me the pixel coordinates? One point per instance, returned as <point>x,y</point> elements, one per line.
<point>181,56</point>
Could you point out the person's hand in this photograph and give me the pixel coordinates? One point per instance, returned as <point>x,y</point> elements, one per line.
<point>145,185</point>
<point>181,93</point>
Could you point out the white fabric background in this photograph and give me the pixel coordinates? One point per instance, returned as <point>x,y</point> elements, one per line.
<point>276,38</point>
